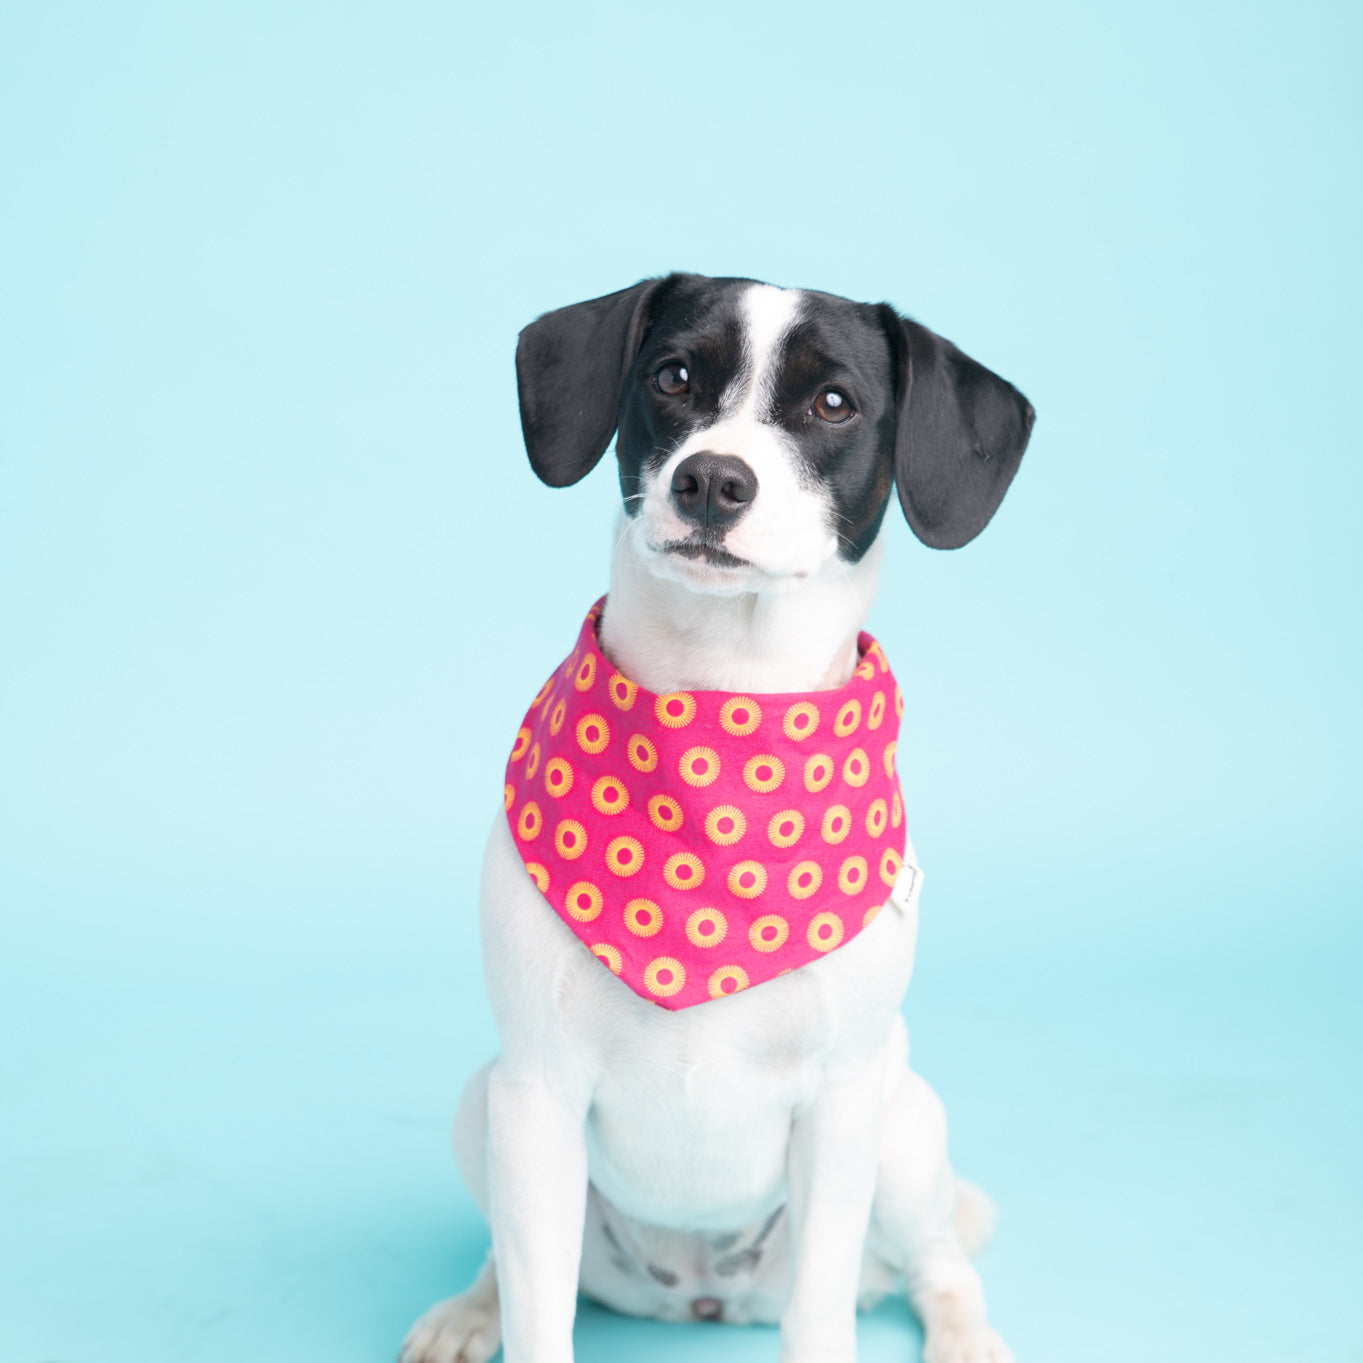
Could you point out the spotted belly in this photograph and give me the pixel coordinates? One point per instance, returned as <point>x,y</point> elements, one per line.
<point>736,1276</point>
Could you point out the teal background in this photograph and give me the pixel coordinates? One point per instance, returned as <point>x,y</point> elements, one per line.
<point>276,584</point>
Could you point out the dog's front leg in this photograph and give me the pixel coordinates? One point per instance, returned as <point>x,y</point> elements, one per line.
<point>537,1192</point>
<point>834,1148</point>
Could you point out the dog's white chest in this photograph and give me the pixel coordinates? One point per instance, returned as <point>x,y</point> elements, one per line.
<point>689,1123</point>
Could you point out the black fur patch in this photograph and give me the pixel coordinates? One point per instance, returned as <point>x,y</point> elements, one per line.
<point>842,345</point>
<point>699,321</point>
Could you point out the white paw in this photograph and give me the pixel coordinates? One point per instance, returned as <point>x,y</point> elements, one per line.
<point>462,1329</point>
<point>965,1344</point>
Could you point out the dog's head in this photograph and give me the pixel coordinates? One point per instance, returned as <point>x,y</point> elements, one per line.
<point>761,429</point>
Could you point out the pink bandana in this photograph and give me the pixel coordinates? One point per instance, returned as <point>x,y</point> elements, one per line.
<point>702,842</point>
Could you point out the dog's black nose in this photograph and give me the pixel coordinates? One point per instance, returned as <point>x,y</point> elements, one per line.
<point>712,489</point>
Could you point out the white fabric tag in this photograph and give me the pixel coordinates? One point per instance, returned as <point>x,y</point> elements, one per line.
<point>907,886</point>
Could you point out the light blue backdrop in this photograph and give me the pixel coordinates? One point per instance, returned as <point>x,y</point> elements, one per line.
<point>276,583</point>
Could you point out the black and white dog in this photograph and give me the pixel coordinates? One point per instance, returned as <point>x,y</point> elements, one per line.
<point>773,1158</point>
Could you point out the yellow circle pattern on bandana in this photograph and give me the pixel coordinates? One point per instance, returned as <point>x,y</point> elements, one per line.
<point>785,812</point>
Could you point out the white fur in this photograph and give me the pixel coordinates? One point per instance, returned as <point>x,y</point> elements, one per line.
<point>646,1156</point>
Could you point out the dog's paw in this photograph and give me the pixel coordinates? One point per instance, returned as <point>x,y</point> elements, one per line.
<point>462,1329</point>
<point>965,1344</point>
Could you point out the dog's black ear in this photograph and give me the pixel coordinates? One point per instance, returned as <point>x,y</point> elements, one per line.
<point>960,435</point>
<point>570,373</point>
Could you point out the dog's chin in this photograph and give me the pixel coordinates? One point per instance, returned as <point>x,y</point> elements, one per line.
<point>715,571</point>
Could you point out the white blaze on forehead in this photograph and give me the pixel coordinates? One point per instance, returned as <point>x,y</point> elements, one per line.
<point>769,313</point>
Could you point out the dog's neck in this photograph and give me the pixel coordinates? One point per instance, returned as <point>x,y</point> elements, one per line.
<point>667,636</point>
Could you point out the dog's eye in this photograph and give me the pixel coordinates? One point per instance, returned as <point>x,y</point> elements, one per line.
<point>673,379</point>
<point>832,406</point>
